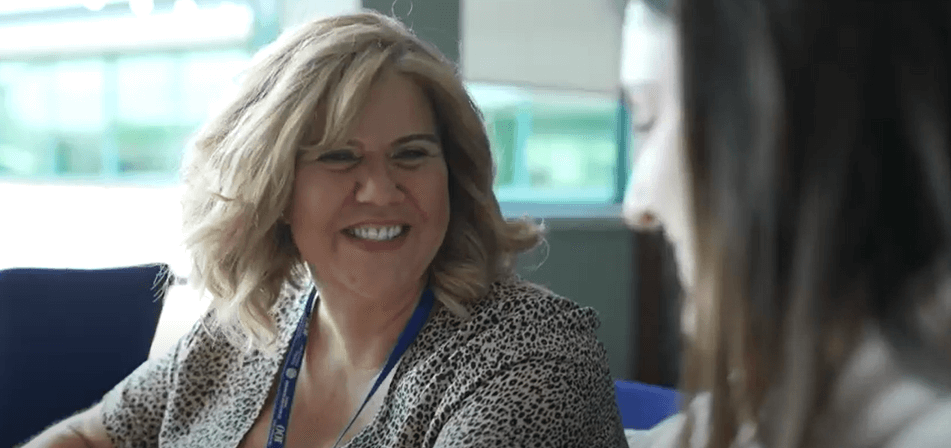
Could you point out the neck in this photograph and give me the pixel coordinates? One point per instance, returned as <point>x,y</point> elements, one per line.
<point>355,333</point>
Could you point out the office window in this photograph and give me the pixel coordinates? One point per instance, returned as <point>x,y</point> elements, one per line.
<point>552,147</point>
<point>162,99</point>
<point>51,119</point>
<point>108,117</point>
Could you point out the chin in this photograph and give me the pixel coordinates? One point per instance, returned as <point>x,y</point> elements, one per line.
<point>374,285</point>
<point>685,267</point>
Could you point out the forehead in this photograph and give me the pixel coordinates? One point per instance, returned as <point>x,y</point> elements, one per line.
<point>395,105</point>
<point>645,37</point>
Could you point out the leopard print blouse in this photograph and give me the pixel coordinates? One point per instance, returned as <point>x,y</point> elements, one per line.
<point>526,369</point>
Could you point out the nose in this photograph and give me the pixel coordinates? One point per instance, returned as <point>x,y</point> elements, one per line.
<point>636,215</point>
<point>638,208</point>
<point>377,186</point>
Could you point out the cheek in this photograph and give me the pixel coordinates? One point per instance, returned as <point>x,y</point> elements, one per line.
<point>672,190</point>
<point>311,207</point>
<point>441,203</point>
<point>649,183</point>
<point>432,195</point>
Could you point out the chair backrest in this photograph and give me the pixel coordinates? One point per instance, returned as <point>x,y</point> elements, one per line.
<point>67,336</point>
<point>642,405</point>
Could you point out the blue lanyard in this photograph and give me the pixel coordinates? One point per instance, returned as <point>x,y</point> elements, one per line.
<point>295,355</point>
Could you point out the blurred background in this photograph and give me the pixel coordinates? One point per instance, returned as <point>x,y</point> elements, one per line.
<point>98,99</point>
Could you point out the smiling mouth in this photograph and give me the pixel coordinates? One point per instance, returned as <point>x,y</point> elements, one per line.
<point>377,233</point>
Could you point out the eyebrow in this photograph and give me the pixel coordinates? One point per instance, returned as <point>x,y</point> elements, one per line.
<point>413,137</point>
<point>409,138</point>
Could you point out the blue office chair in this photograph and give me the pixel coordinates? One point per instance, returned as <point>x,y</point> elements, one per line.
<point>642,405</point>
<point>67,336</point>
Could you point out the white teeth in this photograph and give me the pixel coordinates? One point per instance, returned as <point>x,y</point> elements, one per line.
<point>377,233</point>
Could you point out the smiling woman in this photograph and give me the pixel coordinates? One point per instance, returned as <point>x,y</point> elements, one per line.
<point>372,215</point>
<point>319,116</point>
<point>340,214</point>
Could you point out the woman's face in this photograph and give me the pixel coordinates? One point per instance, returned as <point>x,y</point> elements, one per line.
<point>370,216</point>
<point>658,192</point>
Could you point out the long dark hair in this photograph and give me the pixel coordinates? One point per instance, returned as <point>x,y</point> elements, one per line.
<point>817,138</point>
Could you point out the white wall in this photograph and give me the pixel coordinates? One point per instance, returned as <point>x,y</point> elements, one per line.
<point>89,226</point>
<point>573,44</point>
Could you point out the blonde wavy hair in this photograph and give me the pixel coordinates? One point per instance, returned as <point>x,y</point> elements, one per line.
<point>239,172</point>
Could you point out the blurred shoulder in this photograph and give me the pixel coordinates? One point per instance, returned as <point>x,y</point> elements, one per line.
<point>881,402</point>
<point>928,430</point>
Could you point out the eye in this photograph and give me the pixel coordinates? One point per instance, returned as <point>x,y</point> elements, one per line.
<point>642,104</point>
<point>412,157</point>
<point>339,157</point>
<point>411,154</point>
